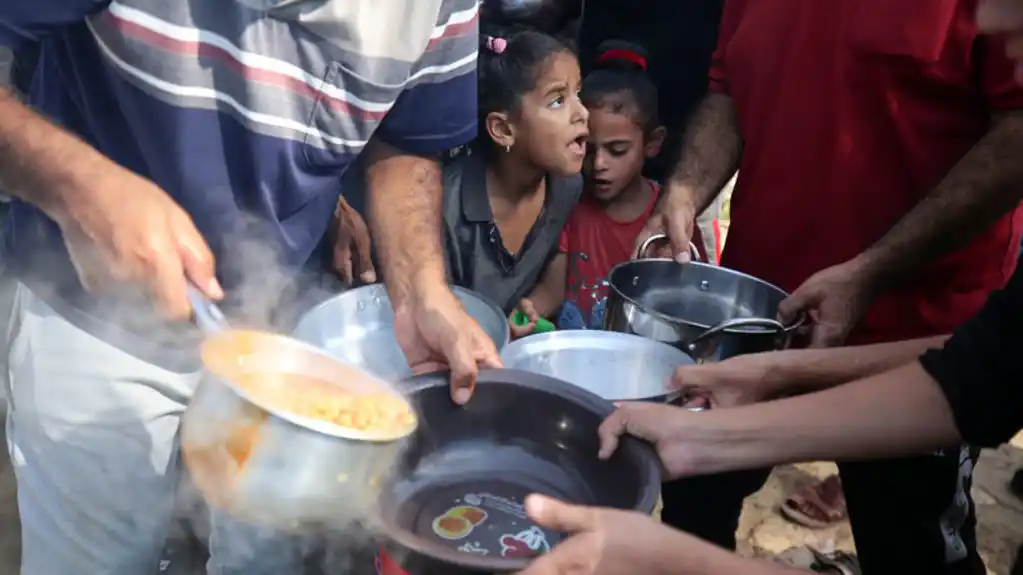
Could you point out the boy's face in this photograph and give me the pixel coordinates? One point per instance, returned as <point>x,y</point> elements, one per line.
<point>552,120</point>
<point>615,154</point>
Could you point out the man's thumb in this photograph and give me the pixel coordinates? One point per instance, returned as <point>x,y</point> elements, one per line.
<point>789,308</point>
<point>680,233</point>
<point>557,515</point>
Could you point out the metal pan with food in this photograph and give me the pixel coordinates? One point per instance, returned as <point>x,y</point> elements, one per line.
<point>281,433</point>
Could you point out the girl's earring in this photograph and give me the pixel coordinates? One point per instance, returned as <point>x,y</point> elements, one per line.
<point>507,148</point>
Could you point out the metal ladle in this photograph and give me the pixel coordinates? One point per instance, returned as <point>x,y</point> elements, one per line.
<point>208,316</point>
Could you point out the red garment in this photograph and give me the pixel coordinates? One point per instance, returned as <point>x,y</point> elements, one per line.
<point>605,243</point>
<point>851,112</point>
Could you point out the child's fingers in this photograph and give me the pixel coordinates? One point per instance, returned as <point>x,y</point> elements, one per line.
<point>527,308</point>
<point>518,331</point>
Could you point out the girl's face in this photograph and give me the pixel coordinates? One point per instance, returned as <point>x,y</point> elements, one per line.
<point>551,125</point>
<point>616,153</point>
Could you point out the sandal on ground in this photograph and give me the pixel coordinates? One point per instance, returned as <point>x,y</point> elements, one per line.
<point>809,559</point>
<point>818,505</point>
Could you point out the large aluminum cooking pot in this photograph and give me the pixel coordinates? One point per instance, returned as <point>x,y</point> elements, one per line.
<point>357,327</point>
<point>268,466</point>
<point>615,366</point>
<point>711,312</point>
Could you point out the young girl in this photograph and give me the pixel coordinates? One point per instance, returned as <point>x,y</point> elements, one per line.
<point>506,201</point>
<point>624,133</point>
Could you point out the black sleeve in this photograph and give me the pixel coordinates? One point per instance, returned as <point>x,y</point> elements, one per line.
<point>980,369</point>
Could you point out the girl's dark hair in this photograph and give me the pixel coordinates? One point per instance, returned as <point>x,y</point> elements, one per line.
<point>620,84</point>
<point>510,71</point>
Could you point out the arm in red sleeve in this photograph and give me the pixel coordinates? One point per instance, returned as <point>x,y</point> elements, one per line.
<point>730,19</point>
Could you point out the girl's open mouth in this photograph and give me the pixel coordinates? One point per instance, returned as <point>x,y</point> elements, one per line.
<point>578,145</point>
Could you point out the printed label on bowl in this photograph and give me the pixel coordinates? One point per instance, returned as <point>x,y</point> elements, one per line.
<point>480,522</point>
<point>528,543</point>
<point>497,503</point>
<point>473,548</point>
<point>458,522</point>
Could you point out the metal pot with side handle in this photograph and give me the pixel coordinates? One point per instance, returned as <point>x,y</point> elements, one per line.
<point>708,311</point>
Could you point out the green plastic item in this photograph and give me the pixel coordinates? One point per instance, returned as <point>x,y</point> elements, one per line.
<point>542,325</point>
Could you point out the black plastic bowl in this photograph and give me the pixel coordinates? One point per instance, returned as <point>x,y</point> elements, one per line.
<point>521,433</point>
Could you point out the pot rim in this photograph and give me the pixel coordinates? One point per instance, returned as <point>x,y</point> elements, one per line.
<point>306,423</point>
<point>570,335</point>
<point>565,338</point>
<point>650,472</point>
<point>794,325</point>
<point>506,338</point>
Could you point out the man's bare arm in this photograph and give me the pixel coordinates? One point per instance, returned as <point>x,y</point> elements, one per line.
<point>711,148</point>
<point>40,162</point>
<point>798,371</point>
<point>983,186</point>
<point>682,553</point>
<point>895,413</point>
<point>405,194</point>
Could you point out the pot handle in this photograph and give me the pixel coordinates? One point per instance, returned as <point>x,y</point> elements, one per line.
<point>643,247</point>
<point>771,324</point>
<point>208,316</point>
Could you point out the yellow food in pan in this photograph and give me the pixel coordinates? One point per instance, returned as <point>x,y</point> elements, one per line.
<point>321,401</point>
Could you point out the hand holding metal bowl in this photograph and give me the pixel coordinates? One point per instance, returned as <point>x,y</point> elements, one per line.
<point>357,326</point>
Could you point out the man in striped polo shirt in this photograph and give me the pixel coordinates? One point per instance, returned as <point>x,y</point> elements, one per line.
<point>163,133</point>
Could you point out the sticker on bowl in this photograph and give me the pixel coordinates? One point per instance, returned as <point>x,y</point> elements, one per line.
<point>473,548</point>
<point>528,543</point>
<point>458,522</point>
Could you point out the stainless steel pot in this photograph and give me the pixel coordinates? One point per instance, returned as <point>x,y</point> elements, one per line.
<point>268,466</point>
<point>615,366</point>
<point>357,327</point>
<point>711,312</point>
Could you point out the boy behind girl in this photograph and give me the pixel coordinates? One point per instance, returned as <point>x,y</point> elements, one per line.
<point>625,132</point>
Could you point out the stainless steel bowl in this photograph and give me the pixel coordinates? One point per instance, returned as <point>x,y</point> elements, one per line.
<point>615,366</point>
<point>357,327</point>
<point>709,311</point>
<point>268,466</point>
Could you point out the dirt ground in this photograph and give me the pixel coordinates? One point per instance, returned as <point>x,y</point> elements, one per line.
<point>763,532</point>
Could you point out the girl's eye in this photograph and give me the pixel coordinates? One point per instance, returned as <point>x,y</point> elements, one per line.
<point>557,102</point>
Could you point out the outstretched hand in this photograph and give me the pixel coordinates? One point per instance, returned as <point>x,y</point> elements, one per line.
<point>436,333</point>
<point>835,299</point>
<point>602,541</point>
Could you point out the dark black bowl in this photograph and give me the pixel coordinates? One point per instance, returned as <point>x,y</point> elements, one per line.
<point>473,465</point>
